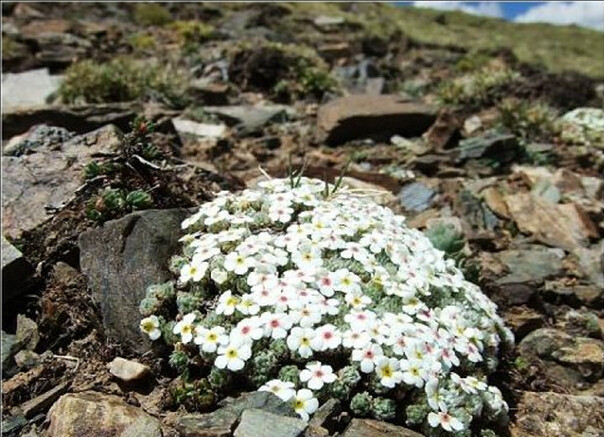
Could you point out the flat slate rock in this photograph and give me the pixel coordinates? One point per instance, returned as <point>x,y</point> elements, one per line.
<point>30,88</point>
<point>364,115</point>
<point>376,428</point>
<point>121,259</point>
<point>256,423</point>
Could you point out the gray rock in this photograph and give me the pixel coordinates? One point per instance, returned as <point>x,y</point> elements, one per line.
<point>9,347</point>
<point>17,273</point>
<point>258,422</point>
<point>38,137</point>
<point>94,414</point>
<point>216,424</point>
<point>220,423</point>
<point>249,119</point>
<point>128,370</point>
<point>558,415</point>
<point>533,264</point>
<point>27,333</point>
<point>416,197</point>
<point>48,178</point>
<point>262,400</point>
<point>328,21</point>
<point>499,147</point>
<point>371,428</point>
<point>362,116</point>
<point>30,88</point>
<point>79,119</point>
<point>121,259</point>
<point>204,130</point>
<point>44,401</point>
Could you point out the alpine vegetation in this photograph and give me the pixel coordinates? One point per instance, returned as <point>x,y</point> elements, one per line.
<point>311,291</point>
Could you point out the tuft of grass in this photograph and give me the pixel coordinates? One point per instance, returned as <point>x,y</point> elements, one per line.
<point>528,121</point>
<point>192,32</point>
<point>142,42</point>
<point>121,80</point>
<point>151,14</point>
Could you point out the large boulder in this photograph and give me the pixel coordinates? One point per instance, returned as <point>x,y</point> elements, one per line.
<point>94,414</point>
<point>361,116</point>
<point>121,259</point>
<point>558,415</point>
<point>30,88</point>
<point>48,176</point>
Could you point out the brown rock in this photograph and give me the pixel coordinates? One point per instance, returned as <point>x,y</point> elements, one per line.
<point>48,177</point>
<point>557,415</point>
<point>522,320</point>
<point>495,202</point>
<point>361,116</point>
<point>566,226</point>
<point>443,130</point>
<point>127,370</point>
<point>375,428</point>
<point>93,414</point>
<point>44,401</point>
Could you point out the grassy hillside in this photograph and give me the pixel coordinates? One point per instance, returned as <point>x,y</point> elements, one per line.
<point>559,48</point>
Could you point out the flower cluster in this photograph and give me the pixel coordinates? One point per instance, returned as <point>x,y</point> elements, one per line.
<point>282,284</point>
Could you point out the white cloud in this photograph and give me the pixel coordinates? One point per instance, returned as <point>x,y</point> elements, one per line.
<point>490,9</point>
<point>586,13</point>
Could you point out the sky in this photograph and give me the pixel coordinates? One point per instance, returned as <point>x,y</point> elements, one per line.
<point>582,13</point>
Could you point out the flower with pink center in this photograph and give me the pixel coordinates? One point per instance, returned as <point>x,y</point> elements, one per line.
<point>367,357</point>
<point>276,325</point>
<point>445,420</point>
<point>326,337</point>
<point>317,375</point>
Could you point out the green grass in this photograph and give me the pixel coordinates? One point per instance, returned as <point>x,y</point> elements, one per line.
<point>558,48</point>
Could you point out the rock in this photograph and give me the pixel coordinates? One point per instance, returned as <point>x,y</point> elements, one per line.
<point>27,333</point>
<point>572,362</point>
<point>496,202</point>
<point>30,88</point>
<point>523,320</point>
<point>249,119</point>
<point>558,415</point>
<point>262,400</point>
<point>79,119</point>
<point>38,137</point>
<point>591,262</point>
<point>209,92</point>
<point>9,347</point>
<point>361,116</point>
<point>574,295</point>
<point>566,226</point>
<point>532,264</point>
<point>121,259</point>
<point>376,192</point>
<point>501,148</point>
<point>258,422</point>
<point>326,21</point>
<point>94,414</point>
<point>25,359</point>
<point>216,424</point>
<point>127,370</point>
<point>472,124</point>
<point>17,273</point>
<point>42,402</point>
<point>48,177</point>
<point>204,130</point>
<point>323,418</point>
<point>13,424</point>
<point>416,197</point>
<point>58,50</point>
<point>368,427</point>
<point>444,129</point>
<point>220,423</point>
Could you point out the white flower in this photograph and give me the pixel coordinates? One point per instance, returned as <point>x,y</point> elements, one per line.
<point>247,330</point>
<point>387,369</point>
<point>194,271</point>
<point>300,339</point>
<point>355,339</point>
<point>276,325</point>
<point>238,263</point>
<point>233,356</point>
<point>247,305</point>
<point>227,303</point>
<point>281,214</point>
<point>326,337</point>
<point>219,276</point>
<point>357,300</point>
<point>307,257</point>
<point>316,375</point>
<point>284,390</point>
<point>414,372</point>
<point>445,420</point>
<point>367,357</point>
<point>304,403</point>
<point>150,326</point>
<point>185,328</point>
<point>210,339</point>
<point>346,281</point>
